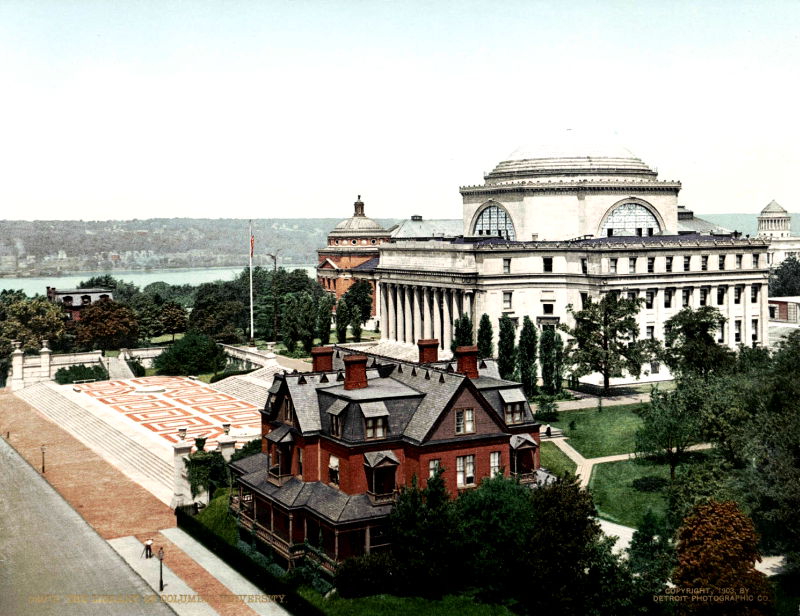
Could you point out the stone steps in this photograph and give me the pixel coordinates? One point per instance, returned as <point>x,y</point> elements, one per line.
<point>244,390</point>
<point>118,448</point>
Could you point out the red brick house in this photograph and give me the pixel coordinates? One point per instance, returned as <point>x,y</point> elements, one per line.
<point>341,441</point>
<point>74,300</point>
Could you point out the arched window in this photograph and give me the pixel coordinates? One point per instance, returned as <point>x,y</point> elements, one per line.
<point>631,219</point>
<point>495,221</point>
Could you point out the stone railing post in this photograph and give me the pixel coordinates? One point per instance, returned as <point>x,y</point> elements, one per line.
<point>226,442</point>
<point>182,493</point>
<point>45,355</point>
<point>17,375</point>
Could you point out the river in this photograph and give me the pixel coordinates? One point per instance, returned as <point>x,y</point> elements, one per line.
<point>194,276</point>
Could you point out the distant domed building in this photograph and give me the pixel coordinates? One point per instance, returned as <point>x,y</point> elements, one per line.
<point>774,221</point>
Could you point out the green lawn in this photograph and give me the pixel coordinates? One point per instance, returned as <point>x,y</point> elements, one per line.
<point>166,338</point>
<point>555,460</point>
<point>601,433</point>
<point>616,497</point>
<point>388,605</point>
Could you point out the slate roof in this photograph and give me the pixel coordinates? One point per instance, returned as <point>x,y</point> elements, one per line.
<point>367,266</point>
<point>251,464</point>
<point>317,497</point>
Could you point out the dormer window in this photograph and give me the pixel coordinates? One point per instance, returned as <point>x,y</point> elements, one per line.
<point>336,426</point>
<point>287,411</point>
<point>513,405</point>
<point>514,413</point>
<point>376,427</point>
<point>465,421</point>
<point>376,419</point>
<point>335,414</point>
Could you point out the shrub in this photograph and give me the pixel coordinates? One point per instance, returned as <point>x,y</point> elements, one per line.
<point>136,367</point>
<point>195,353</point>
<point>249,449</point>
<point>546,410</point>
<point>80,373</point>
<point>371,574</point>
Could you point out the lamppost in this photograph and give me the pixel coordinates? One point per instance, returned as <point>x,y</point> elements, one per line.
<point>43,448</point>
<point>160,569</point>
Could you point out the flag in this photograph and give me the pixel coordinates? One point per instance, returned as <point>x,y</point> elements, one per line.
<point>252,244</point>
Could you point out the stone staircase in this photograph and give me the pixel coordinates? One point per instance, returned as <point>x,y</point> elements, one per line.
<point>244,389</point>
<point>118,368</point>
<point>126,454</point>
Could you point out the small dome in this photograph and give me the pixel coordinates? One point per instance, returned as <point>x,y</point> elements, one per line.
<point>358,222</point>
<point>774,208</point>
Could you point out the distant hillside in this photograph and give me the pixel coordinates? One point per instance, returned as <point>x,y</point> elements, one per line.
<point>747,224</point>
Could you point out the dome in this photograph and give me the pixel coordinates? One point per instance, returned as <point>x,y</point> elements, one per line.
<point>358,223</point>
<point>571,154</point>
<point>774,208</point>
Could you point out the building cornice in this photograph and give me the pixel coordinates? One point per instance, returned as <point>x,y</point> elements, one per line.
<point>574,186</point>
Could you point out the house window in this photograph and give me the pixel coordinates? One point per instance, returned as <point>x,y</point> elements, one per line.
<point>667,298</point>
<point>721,332</point>
<point>612,266</point>
<point>720,296</point>
<point>722,262</point>
<point>433,467</point>
<point>633,294</point>
<point>737,295</point>
<point>754,293</point>
<point>584,266</point>
<point>704,263</point>
<point>686,296</point>
<point>494,463</point>
<point>506,300</point>
<point>333,470</point>
<point>506,266</point>
<point>299,461</point>
<point>755,260</point>
<point>703,296</point>
<point>649,297</point>
<point>687,261</point>
<point>465,421</point>
<point>584,299</point>
<point>651,331</point>
<point>651,265</point>
<point>547,308</point>
<point>547,264</point>
<point>375,427</point>
<point>632,265</point>
<point>737,330</point>
<point>739,261</point>
<point>754,325</point>
<point>669,264</point>
<point>336,426</point>
<point>514,413</point>
<point>465,471</point>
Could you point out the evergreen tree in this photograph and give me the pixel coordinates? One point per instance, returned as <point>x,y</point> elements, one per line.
<point>324,310</point>
<point>528,342</point>
<point>356,322</point>
<point>462,333</point>
<point>785,279</point>
<point>506,348</point>
<point>485,335</point>
<point>290,325</point>
<point>557,382</point>
<point>307,320</point>
<point>360,294</point>
<point>547,358</point>
<point>343,319</point>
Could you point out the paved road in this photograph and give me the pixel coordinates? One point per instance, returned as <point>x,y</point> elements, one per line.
<point>50,556</point>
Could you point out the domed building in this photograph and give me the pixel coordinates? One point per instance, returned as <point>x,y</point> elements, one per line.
<point>774,221</point>
<point>351,253</point>
<point>556,225</point>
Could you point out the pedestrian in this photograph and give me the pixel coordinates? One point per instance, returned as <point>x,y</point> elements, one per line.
<point>148,548</point>
<point>547,431</point>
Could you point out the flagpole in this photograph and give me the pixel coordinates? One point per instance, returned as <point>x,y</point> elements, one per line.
<point>252,246</point>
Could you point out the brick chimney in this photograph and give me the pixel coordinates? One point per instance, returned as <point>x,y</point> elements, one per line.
<point>322,359</point>
<point>355,371</point>
<point>428,351</point>
<point>467,357</point>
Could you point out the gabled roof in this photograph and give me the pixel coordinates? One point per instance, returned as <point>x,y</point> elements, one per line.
<point>327,264</point>
<point>367,266</point>
<point>375,458</point>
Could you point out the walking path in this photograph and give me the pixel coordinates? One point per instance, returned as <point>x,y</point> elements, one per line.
<point>118,368</point>
<point>116,507</point>
<point>588,401</point>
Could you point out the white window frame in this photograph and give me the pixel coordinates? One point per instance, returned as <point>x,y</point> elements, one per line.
<point>433,466</point>
<point>465,471</point>
<point>465,421</point>
<point>494,463</point>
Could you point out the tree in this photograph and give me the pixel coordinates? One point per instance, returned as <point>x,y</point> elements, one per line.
<point>785,279</point>
<point>605,338</point>
<point>28,321</point>
<point>107,324</point>
<point>670,425</point>
<point>506,348</point>
<point>195,353</point>
<point>360,295</point>
<point>324,310</point>
<point>174,318</point>
<point>306,320</point>
<point>552,360</point>
<point>690,344</point>
<point>148,316</point>
<point>355,322</point>
<point>123,292</point>
<point>717,550</point>
<point>462,333</point>
<point>526,356</point>
<point>485,336</point>
<point>651,554</point>
<point>343,318</point>
<point>290,321</point>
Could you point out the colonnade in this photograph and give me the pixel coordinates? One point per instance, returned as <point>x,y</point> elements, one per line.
<point>413,312</point>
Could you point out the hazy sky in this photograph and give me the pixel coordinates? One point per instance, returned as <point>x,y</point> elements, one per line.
<point>137,109</point>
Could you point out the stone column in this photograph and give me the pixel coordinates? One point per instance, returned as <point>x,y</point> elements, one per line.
<point>45,355</point>
<point>17,370</point>
<point>457,295</point>
<point>447,322</point>
<point>436,305</point>
<point>182,493</point>
<point>468,306</point>
<point>407,313</point>
<point>417,311</point>
<point>731,339</point>
<point>384,311</point>
<point>226,443</point>
<point>401,320</point>
<point>427,312</point>
<point>392,332</point>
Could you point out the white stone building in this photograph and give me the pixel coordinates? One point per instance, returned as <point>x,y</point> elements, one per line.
<point>775,225</point>
<point>547,230</point>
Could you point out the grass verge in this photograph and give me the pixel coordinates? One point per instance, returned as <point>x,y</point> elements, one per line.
<point>555,460</point>
<point>601,433</point>
<point>618,500</point>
